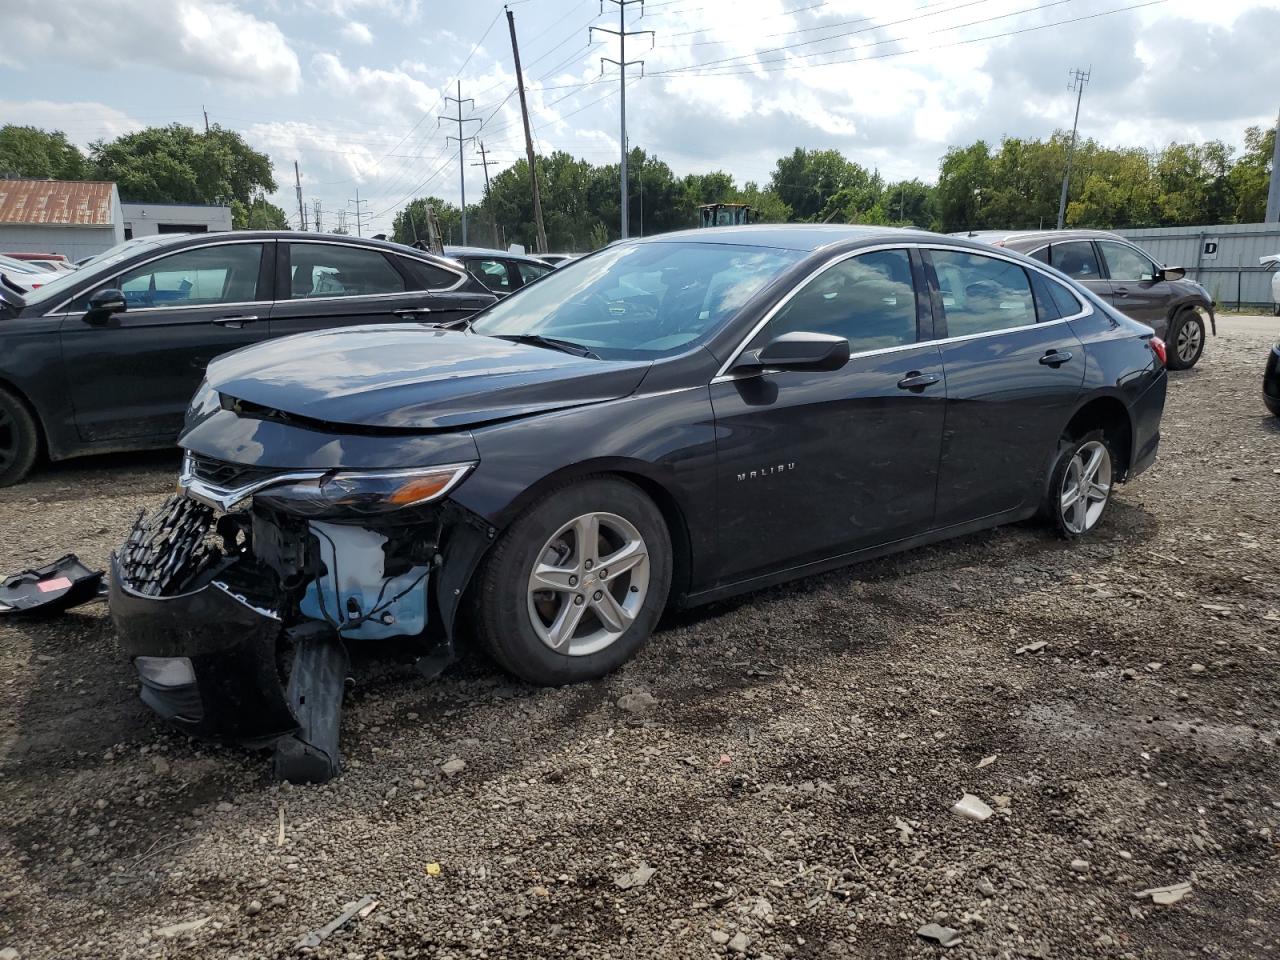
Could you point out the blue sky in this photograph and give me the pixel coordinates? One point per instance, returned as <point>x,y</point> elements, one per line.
<point>351,88</point>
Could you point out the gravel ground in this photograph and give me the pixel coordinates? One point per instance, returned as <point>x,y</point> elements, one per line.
<point>788,782</point>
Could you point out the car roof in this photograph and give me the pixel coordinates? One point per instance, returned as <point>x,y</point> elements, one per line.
<point>805,237</point>
<point>194,239</point>
<point>452,251</point>
<point>1006,236</point>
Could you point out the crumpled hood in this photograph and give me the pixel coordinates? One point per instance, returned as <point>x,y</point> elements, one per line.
<point>415,377</point>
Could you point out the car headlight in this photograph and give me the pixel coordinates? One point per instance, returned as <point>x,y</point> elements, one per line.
<point>364,493</point>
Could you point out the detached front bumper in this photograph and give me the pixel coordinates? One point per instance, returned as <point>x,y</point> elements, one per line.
<point>212,670</point>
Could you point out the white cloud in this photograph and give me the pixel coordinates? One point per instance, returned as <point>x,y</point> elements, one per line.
<point>392,93</point>
<point>405,11</point>
<point>211,38</point>
<point>82,122</point>
<point>357,32</point>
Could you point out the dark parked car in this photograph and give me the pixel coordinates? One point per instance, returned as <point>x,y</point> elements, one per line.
<point>1271,380</point>
<point>674,420</point>
<point>1128,278</point>
<point>106,358</point>
<point>500,271</point>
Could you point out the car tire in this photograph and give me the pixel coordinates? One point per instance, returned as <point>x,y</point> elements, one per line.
<point>1186,340</point>
<point>1273,404</point>
<point>523,626</point>
<point>1071,520</point>
<point>19,439</point>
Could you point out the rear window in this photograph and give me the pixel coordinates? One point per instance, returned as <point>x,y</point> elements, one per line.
<point>1076,259</point>
<point>427,276</point>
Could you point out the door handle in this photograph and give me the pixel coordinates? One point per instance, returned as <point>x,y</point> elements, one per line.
<point>235,323</point>
<point>411,311</point>
<point>1120,291</point>
<point>917,381</point>
<point>1056,358</point>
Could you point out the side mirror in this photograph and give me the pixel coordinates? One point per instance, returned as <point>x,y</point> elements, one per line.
<point>797,351</point>
<point>1172,273</point>
<point>105,303</point>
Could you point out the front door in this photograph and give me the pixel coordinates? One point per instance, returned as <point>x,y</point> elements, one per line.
<point>816,464</point>
<point>1136,288</point>
<point>132,376</point>
<point>1078,259</point>
<point>323,285</point>
<point>1011,384</point>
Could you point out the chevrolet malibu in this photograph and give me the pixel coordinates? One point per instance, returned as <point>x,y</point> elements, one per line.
<point>668,421</point>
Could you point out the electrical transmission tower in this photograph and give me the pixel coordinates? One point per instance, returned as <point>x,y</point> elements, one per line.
<point>1079,79</point>
<point>622,63</point>
<point>462,143</point>
<point>359,214</point>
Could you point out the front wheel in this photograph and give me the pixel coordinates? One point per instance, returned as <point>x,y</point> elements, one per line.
<point>1080,486</point>
<point>1186,340</point>
<point>19,439</point>
<point>576,585</point>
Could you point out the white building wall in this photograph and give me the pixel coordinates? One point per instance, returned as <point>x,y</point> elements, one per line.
<point>147,219</point>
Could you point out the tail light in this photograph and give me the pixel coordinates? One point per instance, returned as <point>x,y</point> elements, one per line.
<point>1160,350</point>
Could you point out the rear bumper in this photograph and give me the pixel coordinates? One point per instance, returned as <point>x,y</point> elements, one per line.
<point>1145,416</point>
<point>236,694</point>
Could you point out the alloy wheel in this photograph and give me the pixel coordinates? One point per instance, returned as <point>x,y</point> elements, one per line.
<point>588,583</point>
<point>1190,336</point>
<point>1086,485</point>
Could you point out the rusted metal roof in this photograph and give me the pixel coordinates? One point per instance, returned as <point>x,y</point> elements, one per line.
<point>56,202</point>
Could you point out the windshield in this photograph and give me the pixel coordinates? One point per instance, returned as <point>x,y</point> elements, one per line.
<point>638,300</point>
<point>65,283</point>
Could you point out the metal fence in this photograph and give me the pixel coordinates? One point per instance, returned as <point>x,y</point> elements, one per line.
<point>1224,258</point>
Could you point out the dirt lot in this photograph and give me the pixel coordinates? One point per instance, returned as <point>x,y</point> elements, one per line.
<point>790,786</point>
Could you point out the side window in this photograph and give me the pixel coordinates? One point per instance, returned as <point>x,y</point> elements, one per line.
<point>427,276</point>
<point>981,294</point>
<point>869,300</point>
<point>1076,259</point>
<point>530,272</point>
<point>226,273</point>
<point>1126,263</point>
<point>1042,254</point>
<point>492,273</point>
<point>1046,307</point>
<point>330,270</point>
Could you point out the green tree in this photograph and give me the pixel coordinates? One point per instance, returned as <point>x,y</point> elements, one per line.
<point>258,214</point>
<point>807,180</point>
<point>410,224</point>
<point>31,152</point>
<point>175,164</point>
<point>1251,175</point>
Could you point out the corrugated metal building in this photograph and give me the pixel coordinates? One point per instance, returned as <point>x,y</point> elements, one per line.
<point>1223,258</point>
<point>75,218</point>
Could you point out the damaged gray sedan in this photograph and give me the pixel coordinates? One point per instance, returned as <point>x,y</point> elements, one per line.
<point>667,421</point>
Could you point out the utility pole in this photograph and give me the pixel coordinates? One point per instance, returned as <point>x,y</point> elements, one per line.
<point>622,63</point>
<point>1273,194</point>
<point>206,118</point>
<point>315,216</point>
<point>302,210</point>
<point>359,216</point>
<point>1079,78</point>
<point>462,142</point>
<point>528,138</point>
<point>488,198</point>
<point>342,223</point>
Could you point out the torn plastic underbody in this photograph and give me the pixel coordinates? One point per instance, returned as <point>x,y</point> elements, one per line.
<point>53,588</point>
<point>238,624</point>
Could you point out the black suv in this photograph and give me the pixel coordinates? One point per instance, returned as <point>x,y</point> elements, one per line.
<point>1128,278</point>
<point>106,358</point>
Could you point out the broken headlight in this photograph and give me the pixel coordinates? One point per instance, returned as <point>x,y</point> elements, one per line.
<point>364,493</point>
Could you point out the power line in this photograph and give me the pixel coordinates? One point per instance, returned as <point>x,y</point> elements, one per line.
<point>1079,80</point>
<point>622,63</point>
<point>359,216</point>
<point>462,143</point>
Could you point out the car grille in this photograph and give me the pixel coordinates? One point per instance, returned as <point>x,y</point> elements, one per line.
<point>228,476</point>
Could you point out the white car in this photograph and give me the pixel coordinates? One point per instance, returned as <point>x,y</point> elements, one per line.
<point>26,276</point>
<point>1273,261</point>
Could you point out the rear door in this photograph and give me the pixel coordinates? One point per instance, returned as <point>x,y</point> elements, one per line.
<point>1012,381</point>
<point>497,274</point>
<point>132,375</point>
<point>1079,260</point>
<point>320,285</point>
<point>1136,287</point>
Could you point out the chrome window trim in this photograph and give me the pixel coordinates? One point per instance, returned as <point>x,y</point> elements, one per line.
<point>65,304</point>
<point>462,277</point>
<point>1136,249</point>
<point>723,373</point>
<point>201,306</point>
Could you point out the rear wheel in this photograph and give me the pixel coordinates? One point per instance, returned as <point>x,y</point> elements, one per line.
<point>19,439</point>
<point>1080,486</point>
<point>1186,340</point>
<point>576,585</point>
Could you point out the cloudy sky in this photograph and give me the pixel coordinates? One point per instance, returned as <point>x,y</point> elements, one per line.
<point>351,89</point>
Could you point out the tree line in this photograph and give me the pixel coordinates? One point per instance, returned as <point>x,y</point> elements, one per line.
<point>1011,185</point>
